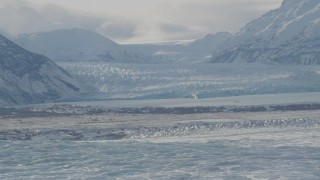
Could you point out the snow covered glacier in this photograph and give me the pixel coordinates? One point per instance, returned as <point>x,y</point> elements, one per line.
<point>161,81</point>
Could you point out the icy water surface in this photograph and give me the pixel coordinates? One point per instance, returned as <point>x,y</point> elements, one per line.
<point>254,153</point>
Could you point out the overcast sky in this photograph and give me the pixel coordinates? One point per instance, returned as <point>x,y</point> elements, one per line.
<point>131,21</point>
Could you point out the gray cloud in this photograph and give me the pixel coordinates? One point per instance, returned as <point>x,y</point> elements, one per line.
<point>61,17</point>
<point>15,3</point>
<point>15,20</point>
<point>117,30</point>
<point>136,21</point>
<point>173,28</point>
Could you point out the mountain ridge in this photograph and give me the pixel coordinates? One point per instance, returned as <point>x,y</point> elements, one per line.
<point>27,78</point>
<point>266,39</point>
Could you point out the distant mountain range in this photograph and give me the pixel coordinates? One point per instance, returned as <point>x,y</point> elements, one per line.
<point>78,45</point>
<point>287,35</point>
<point>27,78</point>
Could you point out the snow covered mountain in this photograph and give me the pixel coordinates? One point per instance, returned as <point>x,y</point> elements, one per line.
<point>27,78</point>
<point>75,45</point>
<point>287,35</point>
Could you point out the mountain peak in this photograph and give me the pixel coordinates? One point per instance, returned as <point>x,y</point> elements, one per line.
<point>75,45</point>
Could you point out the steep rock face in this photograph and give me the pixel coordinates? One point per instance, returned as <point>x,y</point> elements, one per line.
<point>75,45</point>
<point>27,78</point>
<point>288,35</point>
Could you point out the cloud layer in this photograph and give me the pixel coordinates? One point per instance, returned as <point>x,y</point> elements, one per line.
<point>134,21</point>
